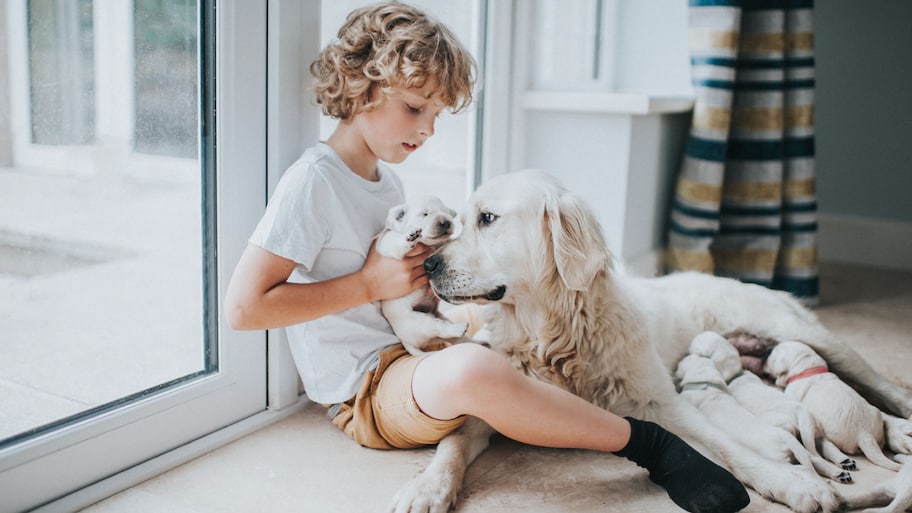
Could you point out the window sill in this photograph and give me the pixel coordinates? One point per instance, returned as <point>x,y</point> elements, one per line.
<point>623,103</point>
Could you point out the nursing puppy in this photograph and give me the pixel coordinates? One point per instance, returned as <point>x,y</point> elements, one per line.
<point>845,418</point>
<point>701,384</point>
<point>414,317</point>
<point>772,406</point>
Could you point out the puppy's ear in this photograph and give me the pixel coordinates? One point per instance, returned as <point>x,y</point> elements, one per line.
<point>576,237</point>
<point>395,218</point>
<point>771,368</point>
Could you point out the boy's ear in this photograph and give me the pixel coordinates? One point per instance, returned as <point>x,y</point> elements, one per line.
<point>396,217</point>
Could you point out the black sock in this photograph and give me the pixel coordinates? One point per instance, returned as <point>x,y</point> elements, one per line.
<point>692,481</point>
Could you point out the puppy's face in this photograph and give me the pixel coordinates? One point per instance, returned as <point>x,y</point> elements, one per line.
<point>425,219</point>
<point>697,369</point>
<point>789,358</point>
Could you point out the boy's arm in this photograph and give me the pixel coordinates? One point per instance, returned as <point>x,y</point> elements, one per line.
<point>259,297</point>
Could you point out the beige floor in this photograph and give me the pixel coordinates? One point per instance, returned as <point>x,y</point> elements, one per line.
<point>302,464</point>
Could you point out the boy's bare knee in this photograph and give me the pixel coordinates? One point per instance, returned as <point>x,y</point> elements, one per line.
<point>470,367</point>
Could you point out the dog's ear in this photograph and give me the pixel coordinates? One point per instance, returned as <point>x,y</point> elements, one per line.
<point>576,237</point>
<point>396,217</point>
<point>782,381</point>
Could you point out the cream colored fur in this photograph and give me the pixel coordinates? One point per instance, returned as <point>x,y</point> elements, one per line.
<point>555,303</point>
<point>414,317</point>
<point>772,406</point>
<point>899,489</point>
<point>702,385</point>
<point>845,417</point>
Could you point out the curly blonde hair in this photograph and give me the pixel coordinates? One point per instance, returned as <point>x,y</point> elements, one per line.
<point>387,45</point>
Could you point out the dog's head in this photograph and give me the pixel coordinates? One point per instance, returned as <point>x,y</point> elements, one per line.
<point>521,232</point>
<point>423,219</point>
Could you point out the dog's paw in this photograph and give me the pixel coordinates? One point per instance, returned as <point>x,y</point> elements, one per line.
<point>898,433</point>
<point>425,494</point>
<point>800,490</point>
<point>848,464</point>
<point>843,477</point>
<point>415,235</point>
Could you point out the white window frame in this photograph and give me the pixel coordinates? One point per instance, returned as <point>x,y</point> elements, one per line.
<point>74,466</point>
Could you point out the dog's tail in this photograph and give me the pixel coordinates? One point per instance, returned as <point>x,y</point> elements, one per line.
<point>873,452</point>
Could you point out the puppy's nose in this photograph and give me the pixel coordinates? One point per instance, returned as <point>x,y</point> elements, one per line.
<point>433,265</point>
<point>445,225</point>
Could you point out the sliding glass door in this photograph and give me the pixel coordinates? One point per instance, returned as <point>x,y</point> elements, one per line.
<point>124,202</point>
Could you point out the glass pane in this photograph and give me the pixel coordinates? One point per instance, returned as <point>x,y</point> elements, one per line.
<point>101,226</point>
<point>565,43</point>
<point>61,67</point>
<point>165,46</point>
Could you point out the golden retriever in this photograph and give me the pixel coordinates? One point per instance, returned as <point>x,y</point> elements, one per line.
<point>556,303</point>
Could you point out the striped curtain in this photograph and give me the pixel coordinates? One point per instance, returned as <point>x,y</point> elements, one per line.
<point>745,203</point>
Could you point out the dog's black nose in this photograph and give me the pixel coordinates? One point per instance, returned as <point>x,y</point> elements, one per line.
<point>444,225</point>
<point>433,265</point>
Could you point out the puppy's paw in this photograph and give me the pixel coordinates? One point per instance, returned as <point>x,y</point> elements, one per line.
<point>415,235</point>
<point>455,329</point>
<point>848,464</point>
<point>843,477</point>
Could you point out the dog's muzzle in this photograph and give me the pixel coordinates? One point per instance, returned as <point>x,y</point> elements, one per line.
<point>436,269</point>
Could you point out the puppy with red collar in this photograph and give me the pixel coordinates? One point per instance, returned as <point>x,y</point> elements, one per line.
<point>845,418</point>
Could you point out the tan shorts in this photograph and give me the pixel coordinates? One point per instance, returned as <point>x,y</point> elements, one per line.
<point>384,415</point>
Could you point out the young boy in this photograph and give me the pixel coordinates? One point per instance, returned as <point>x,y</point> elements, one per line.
<point>310,267</point>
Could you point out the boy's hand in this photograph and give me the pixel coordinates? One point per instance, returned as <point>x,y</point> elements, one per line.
<point>388,278</point>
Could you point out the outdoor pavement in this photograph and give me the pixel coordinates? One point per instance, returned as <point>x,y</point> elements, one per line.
<point>100,289</point>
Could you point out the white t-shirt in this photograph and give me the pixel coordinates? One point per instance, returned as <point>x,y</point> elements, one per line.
<point>323,216</point>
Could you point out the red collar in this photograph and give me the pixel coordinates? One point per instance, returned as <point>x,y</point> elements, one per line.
<point>813,371</point>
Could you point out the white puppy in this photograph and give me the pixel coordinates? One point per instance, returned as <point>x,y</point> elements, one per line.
<point>845,417</point>
<point>701,384</point>
<point>771,405</point>
<point>414,317</point>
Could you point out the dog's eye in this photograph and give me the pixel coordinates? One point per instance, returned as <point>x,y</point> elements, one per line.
<point>486,218</point>
<point>424,213</point>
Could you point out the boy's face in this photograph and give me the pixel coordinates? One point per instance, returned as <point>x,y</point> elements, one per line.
<point>401,123</point>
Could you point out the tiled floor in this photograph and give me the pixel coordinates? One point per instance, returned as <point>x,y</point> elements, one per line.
<point>303,464</point>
